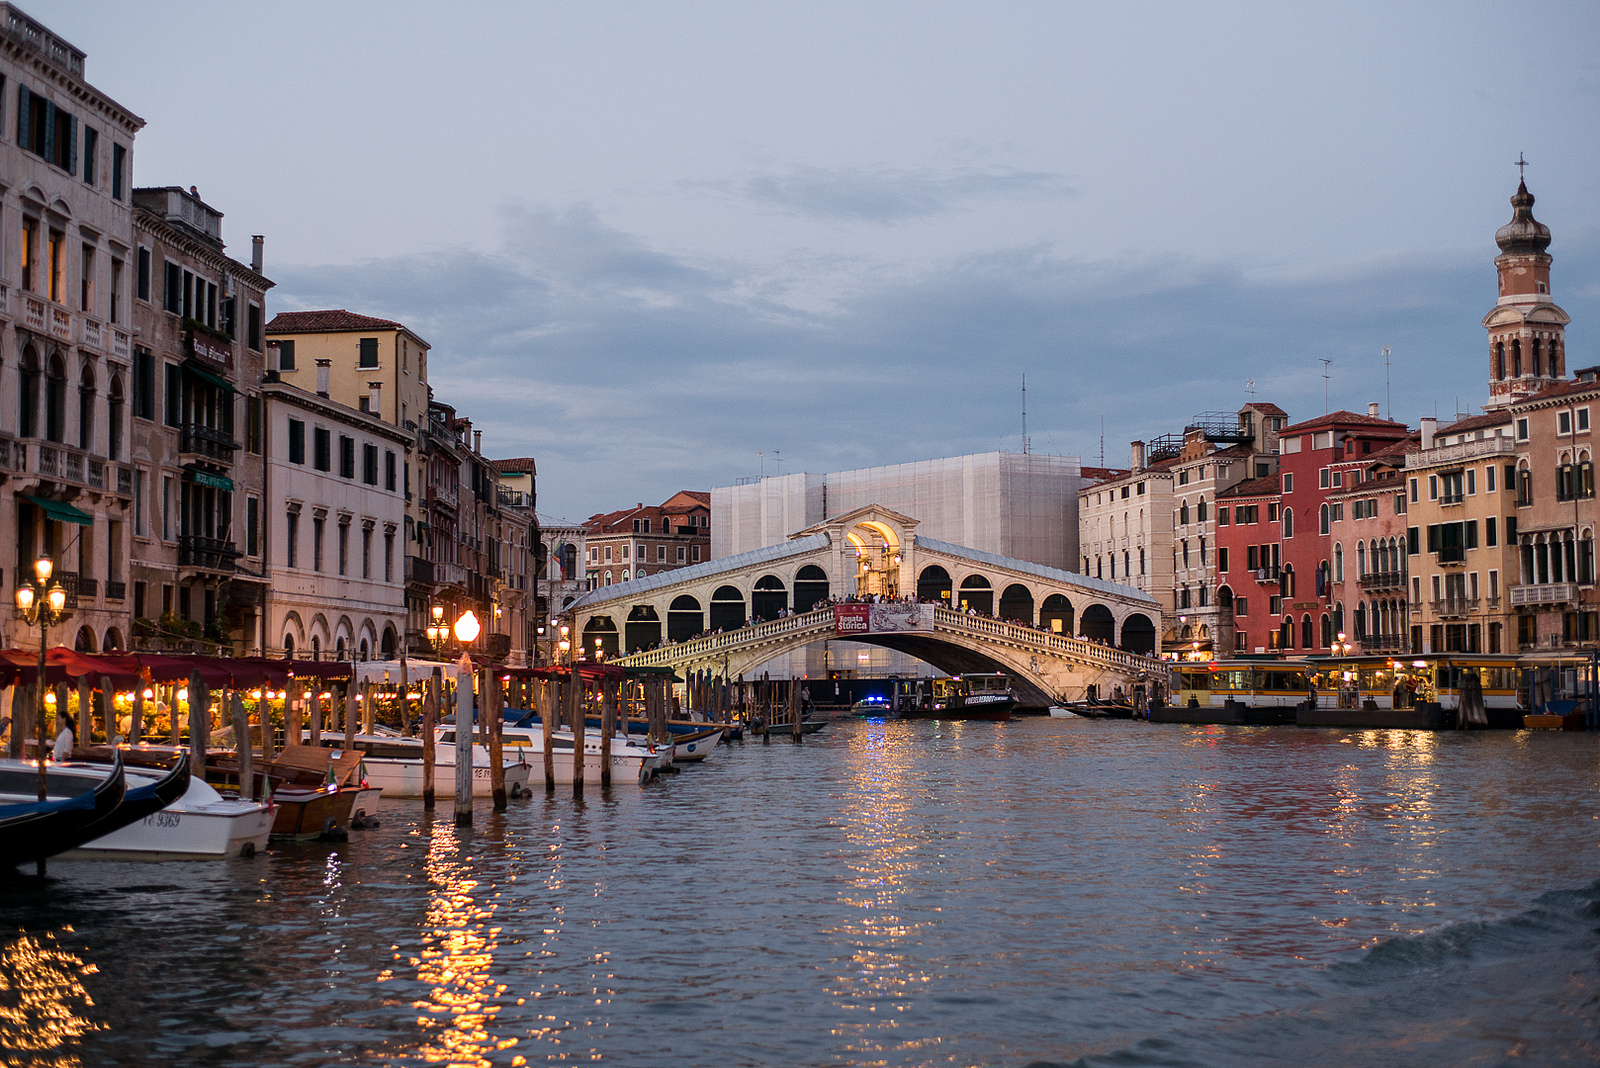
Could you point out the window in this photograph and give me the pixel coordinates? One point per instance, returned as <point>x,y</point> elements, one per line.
<point>1488,479</point>
<point>286,356</point>
<point>322,449</point>
<point>115,309</point>
<point>292,548</point>
<point>166,507</point>
<point>1472,481</point>
<point>252,424</point>
<point>1583,420</point>
<point>389,468</point>
<point>388,556</point>
<point>1222,516</point>
<point>369,464</point>
<point>683,554</point>
<point>1288,523</point>
<point>369,353</point>
<point>1563,422</point>
<point>144,384</point>
<point>253,327</point>
<point>1222,559</point>
<point>252,526</point>
<point>317,523</point>
<point>347,457</point>
<point>173,415</point>
<point>344,547</point>
<point>297,441</point>
<point>1489,525</point>
<point>1522,429</point>
<point>143,279</point>
<point>1288,481</point>
<point>119,165</point>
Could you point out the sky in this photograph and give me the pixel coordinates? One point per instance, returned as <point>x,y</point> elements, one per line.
<point>668,246</point>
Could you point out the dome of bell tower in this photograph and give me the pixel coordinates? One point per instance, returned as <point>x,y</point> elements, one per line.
<point>1523,235</point>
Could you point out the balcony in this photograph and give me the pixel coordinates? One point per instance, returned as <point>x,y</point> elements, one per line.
<point>1383,580</point>
<point>450,575</point>
<point>419,571</point>
<point>510,498</point>
<point>1452,554</point>
<point>94,336</point>
<point>1452,498</point>
<point>1544,593</point>
<point>116,591</point>
<point>60,323</point>
<point>1454,607</point>
<point>33,313</point>
<point>206,441</point>
<point>88,588</point>
<point>1268,574</point>
<point>1467,450</point>
<point>207,554</point>
<point>61,463</point>
<point>121,345</point>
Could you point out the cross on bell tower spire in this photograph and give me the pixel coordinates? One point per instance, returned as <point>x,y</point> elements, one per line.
<point>1522,173</point>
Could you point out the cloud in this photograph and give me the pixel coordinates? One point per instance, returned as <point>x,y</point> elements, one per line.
<point>631,373</point>
<point>886,195</point>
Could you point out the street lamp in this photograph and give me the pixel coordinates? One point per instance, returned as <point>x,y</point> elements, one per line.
<point>438,633</point>
<point>42,603</point>
<point>566,642</point>
<point>467,628</point>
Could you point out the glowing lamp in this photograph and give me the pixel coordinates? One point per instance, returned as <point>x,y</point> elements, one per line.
<point>25,598</point>
<point>467,627</point>
<point>43,567</point>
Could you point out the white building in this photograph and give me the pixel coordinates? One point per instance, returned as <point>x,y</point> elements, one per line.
<point>334,558</point>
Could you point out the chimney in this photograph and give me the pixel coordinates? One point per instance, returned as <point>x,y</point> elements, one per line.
<point>1429,426</point>
<point>322,377</point>
<point>1138,457</point>
<point>255,252</point>
<point>477,441</point>
<point>375,398</point>
<point>1372,409</point>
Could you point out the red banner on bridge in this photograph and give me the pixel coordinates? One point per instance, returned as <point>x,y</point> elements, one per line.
<point>894,618</point>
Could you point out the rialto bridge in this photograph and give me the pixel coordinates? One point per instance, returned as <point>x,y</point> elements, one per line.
<point>1056,633</point>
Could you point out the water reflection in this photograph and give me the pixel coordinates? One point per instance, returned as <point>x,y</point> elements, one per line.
<point>881,975</point>
<point>455,961</point>
<point>44,1006</point>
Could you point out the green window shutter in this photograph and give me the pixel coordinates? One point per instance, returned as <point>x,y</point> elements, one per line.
<point>49,131</point>
<point>72,145</point>
<point>23,127</point>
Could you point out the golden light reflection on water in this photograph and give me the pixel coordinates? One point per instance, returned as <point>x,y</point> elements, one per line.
<point>879,978</point>
<point>43,1003</point>
<point>456,960</point>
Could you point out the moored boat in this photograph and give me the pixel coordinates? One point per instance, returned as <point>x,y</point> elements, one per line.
<point>631,761</point>
<point>394,767</point>
<point>980,695</point>
<point>200,824</point>
<point>77,802</point>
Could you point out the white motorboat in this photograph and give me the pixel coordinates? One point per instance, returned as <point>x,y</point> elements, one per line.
<point>200,825</point>
<point>394,767</point>
<point>631,759</point>
<point>696,746</point>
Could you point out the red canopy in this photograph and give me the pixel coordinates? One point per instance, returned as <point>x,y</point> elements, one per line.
<point>61,664</point>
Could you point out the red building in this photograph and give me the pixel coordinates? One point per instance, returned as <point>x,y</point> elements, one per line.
<point>637,542</point>
<point>1249,557</point>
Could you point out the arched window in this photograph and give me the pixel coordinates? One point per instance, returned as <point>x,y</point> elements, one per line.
<point>86,399</point>
<point>1361,620</point>
<point>1286,633</point>
<point>1338,561</point>
<point>1141,561</point>
<point>1307,638</point>
<point>1288,523</point>
<point>1200,510</point>
<point>1500,360</point>
<point>1586,558</point>
<point>114,418</point>
<point>1537,363</point>
<point>1322,520</point>
<point>1516,358</point>
<point>1361,558</point>
<point>1327,631</point>
<point>28,394</point>
<point>1183,514</point>
<point>55,400</point>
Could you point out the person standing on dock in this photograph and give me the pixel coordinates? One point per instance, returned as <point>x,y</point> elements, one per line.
<point>66,740</point>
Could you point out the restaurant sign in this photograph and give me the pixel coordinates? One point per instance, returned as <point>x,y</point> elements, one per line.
<point>853,619</point>
<point>210,349</point>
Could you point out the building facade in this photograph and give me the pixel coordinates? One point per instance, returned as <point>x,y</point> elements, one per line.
<point>196,440</point>
<point>1368,521</point>
<point>332,549</point>
<point>643,540</point>
<point>66,354</point>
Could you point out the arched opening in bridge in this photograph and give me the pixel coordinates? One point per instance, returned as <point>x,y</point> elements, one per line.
<point>810,586</point>
<point>1099,624</point>
<point>599,636</point>
<point>934,585</point>
<point>727,609</point>
<point>644,628</point>
<point>769,598</point>
<point>1138,633</point>
<point>1056,613</point>
<point>877,549</point>
<point>977,594</point>
<point>684,619</point>
<point>1017,603</point>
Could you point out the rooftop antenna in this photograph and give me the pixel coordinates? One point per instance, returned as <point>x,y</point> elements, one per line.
<point>777,460</point>
<point>1102,441</point>
<point>762,457</point>
<point>1024,413</point>
<point>1250,390</point>
<point>1326,407</point>
<point>1388,406</point>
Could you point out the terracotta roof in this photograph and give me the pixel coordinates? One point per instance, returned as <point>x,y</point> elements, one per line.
<point>1477,422</point>
<point>326,322</point>
<point>1560,389</point>
<point>1341,417</point>
<point>517,465</point>
<point>1104,474</point>
<point>1232,452</point>
<point>1268,408</point>
<point>1255,487</point>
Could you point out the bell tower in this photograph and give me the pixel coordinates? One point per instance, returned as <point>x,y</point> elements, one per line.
<point>1527,343</point>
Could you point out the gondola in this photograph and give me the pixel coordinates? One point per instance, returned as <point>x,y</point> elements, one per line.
<point>81,804</point>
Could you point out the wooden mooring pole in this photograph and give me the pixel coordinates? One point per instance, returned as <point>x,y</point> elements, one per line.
<point>464,734</point>
<point>578,714</point>
<point>430,716</point>
<point>608,724</point>
<point>494,718</point>
<point>549,689</point>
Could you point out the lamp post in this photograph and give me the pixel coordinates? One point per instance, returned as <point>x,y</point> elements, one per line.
<point>438,633</point>
<point>565,645</point>
<point>42,603</point>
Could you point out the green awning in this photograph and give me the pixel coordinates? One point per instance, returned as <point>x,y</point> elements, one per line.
<point>60,511</point>
<point>203,478</point>
<point>206,376</point>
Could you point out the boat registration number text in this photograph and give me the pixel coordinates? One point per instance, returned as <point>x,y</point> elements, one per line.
<point>162,819</point>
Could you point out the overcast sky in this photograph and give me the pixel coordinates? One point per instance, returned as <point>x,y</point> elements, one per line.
<point>650,241</point>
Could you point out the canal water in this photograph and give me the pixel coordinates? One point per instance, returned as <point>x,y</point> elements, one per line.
<point>1041,892</point>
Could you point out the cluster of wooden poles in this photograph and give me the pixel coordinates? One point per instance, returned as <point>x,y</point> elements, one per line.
<point>766,703</point>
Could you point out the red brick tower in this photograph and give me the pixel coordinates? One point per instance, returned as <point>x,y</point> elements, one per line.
<point>1527,346</point>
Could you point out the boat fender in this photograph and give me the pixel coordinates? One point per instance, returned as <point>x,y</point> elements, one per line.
<point>248,849</point>
<point>332,832</point>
